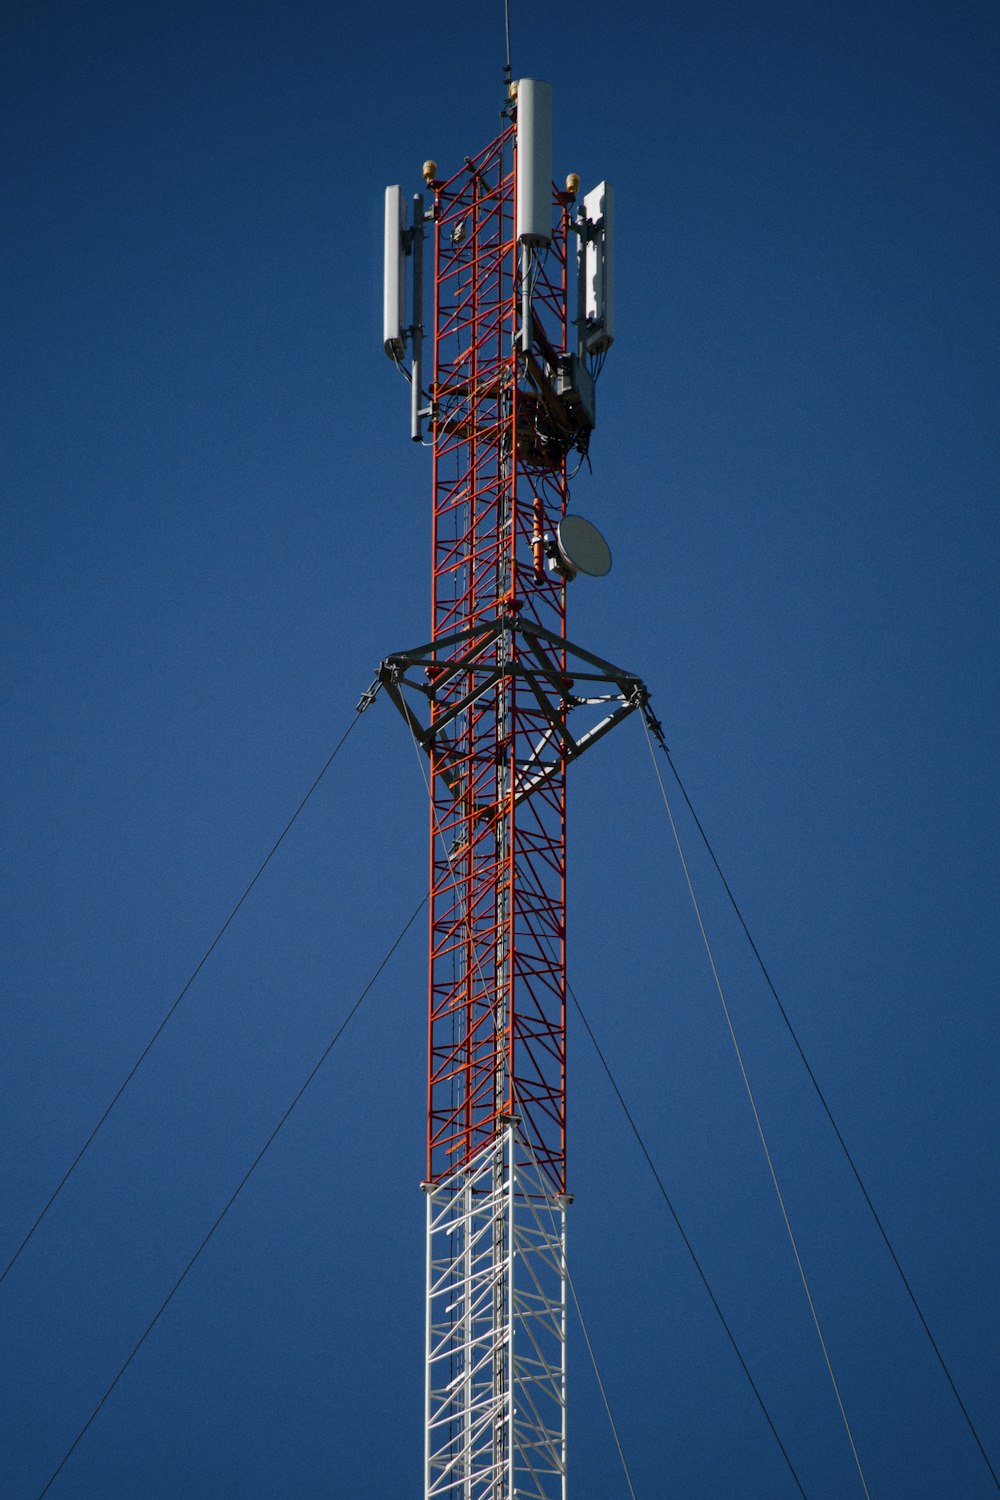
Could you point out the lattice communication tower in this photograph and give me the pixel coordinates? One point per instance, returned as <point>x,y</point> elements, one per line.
<point>501,702</point>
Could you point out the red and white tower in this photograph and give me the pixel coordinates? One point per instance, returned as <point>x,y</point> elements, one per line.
<point>501,702</point>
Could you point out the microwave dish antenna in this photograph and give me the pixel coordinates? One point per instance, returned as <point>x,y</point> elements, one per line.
<point>580,548</point>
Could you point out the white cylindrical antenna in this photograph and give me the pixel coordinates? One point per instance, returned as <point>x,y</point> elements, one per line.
<point>394,279</point>
<point>534,161</point>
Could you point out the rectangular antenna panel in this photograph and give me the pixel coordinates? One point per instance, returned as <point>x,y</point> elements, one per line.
<point>394,278</point>
<point>534,161</point>
<point>598,256</point>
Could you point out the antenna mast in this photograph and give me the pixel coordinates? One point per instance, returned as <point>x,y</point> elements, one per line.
<point>501,702</point>
<point>506,31</point>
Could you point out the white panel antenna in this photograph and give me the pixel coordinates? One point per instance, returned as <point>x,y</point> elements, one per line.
<point>534,161</point>
<point>597,266</point>
<point>394,275</point>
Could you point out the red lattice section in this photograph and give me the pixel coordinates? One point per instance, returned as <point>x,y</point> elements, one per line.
<point>497,1022</point>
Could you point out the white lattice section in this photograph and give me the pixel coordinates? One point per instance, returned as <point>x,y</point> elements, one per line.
<point>496,1332</point>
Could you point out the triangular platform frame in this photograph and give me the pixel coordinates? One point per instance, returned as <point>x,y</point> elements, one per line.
<point>429,668</point>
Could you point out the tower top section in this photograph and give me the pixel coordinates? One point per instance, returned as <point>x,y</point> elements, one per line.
<point>541,211</point>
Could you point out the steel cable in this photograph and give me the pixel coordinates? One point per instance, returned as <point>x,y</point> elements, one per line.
<point>231,1200</point>
<point>659,1182</point>
<point>686,1242</point>
<point>757,1120</point>
<point>586,1334</point>
<point>180,996</point>
<point>829,1115</point>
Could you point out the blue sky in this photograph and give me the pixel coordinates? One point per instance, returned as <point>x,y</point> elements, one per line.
<point>215,527</point>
